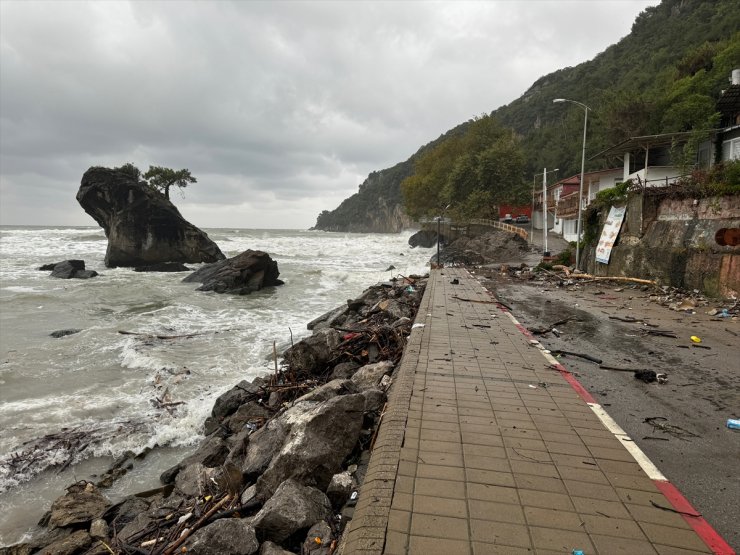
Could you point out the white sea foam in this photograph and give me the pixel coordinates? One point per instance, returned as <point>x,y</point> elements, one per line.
<point>99,378</point>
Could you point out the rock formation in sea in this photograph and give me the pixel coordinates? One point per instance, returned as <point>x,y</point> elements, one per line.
<point>242,274</point>
<point>142,226</point>
<point>69,269</point>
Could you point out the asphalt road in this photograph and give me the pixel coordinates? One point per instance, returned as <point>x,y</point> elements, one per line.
<point>680,425</point>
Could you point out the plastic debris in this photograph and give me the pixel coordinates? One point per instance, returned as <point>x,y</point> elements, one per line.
<point>696,339</point>
<point>733,423</point>
<point>417,326</point>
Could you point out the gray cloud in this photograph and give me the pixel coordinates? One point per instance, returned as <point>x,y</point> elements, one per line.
<point>280,109</point>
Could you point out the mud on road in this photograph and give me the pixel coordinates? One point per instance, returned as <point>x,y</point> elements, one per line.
<point>680,425</point>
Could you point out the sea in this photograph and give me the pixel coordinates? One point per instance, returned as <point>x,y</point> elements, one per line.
<point>69,406</point>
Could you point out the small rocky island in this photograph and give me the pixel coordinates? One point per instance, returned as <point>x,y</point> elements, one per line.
<point>142,226</point>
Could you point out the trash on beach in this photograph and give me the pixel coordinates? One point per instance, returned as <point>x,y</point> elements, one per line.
<point>696,339</point>
<point>417,326</point>
<point>650,376</point>
<point>733,423</point>
<point>455,281</point>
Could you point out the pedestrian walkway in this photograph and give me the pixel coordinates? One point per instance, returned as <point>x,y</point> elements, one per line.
<point>487,446</point>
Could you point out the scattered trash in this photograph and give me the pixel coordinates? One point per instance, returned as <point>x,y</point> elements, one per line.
<point>661,423</point>
<point>733,423</point>
<point>696,339</point>
<point>417,326</point>
<point>650,376</point>
<point>532,386</point>
<point>577,552</point>
<point>455,281</point>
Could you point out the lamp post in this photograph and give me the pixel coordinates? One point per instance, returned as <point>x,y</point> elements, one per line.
<point>439,221</point>
<point>544,207</point>
<point>580,185</point>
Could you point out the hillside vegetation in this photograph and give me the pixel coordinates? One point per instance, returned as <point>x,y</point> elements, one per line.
<point>665,76</point>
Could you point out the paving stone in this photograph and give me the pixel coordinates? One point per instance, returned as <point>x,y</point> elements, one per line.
<point>502,533</point>
<point>439,526</point>
<point>470,460</point>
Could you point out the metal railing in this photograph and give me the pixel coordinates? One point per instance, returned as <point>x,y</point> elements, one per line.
<point>523,233</point>
<point>452,229</point>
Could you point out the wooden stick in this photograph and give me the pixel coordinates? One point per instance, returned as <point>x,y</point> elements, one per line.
<point>181,540</point>
<point>613,278</point>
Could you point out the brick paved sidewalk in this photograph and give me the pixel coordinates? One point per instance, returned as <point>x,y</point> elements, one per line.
<point>485,448</point>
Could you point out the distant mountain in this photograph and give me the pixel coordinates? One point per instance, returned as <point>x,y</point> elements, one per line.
<point>666,75</point>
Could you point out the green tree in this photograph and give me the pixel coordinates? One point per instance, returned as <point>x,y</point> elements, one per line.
<point>163,178</point>
<point>129,169</point>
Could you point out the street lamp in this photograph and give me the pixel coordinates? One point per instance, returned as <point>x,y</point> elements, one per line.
<point>439,221</point>
<point>544,208</point>
<point>580,186</point>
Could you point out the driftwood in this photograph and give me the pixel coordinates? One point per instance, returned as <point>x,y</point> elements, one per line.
<point>155,336</point>
<point>580,355</point>
<point>186,533</point>
<point>619,369</point>
<point>633,321</point>
<point>477,301</point>
<point>661,333</point>
<point>613,278</point>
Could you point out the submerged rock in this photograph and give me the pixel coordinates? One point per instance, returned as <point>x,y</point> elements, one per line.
<point>164,267</point>
<point>142,226</point>
<point>68,269</point>
<point>242,274</point>
<point>63,333</point>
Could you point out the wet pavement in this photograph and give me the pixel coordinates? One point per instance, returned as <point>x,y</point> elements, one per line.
<point>488,446</point>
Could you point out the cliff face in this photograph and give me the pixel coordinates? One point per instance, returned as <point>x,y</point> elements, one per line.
<point>375,207</point>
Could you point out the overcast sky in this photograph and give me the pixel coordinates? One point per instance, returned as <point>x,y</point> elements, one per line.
<point>279,109</point>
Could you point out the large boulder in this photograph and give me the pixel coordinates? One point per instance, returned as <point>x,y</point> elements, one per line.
<point>142,226</point>
<point>318,441</point>
<point>369,376</point>
<point>69,269</point>
<point>293,508</point>
<point>228,535</point>
<point>311,354</point>
<point>424,238</point>
<point>82,503</point>
<point>242,274</point>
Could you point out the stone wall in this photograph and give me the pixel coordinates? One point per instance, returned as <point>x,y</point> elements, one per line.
<point>672,241</point>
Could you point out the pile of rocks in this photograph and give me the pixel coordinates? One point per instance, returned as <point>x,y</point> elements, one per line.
<point>494,246</point>
<point>283,457</point>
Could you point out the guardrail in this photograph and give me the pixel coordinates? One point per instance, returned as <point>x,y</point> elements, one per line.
<point>523,233</point>
<point>453,229</point>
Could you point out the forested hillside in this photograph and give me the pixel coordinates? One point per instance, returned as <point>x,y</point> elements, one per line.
<point>666,75</point>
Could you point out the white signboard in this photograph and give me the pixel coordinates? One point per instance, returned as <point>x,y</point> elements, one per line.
<point>609,234</point>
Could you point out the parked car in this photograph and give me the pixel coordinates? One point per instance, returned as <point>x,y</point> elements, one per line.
<point>522,219</point>
<point>507,219</point>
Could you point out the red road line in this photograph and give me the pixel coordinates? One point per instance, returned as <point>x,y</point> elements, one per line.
<point>702,528</point>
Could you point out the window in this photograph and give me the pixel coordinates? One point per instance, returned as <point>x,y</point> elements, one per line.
<point>731,149</point>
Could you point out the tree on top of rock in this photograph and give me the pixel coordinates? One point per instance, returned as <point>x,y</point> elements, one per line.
<point>163,178</point>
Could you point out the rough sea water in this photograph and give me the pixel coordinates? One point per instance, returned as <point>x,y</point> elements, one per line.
<point>70,405</point>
